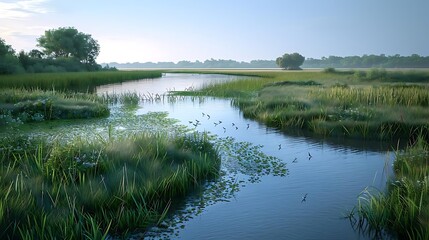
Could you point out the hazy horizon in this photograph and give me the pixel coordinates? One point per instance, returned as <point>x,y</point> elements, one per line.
<point>172,31</point>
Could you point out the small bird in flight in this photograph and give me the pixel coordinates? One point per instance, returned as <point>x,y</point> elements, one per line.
<point>304,198</point>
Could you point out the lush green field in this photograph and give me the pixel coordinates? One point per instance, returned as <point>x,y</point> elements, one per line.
<point>72,81</point>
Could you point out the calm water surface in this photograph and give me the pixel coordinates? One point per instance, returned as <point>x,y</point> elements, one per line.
<point>272,208</point>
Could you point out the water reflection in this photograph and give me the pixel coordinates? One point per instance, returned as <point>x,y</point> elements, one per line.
<point>169,82</point>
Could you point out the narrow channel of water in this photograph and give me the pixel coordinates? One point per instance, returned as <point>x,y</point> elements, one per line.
<point>310,202</point>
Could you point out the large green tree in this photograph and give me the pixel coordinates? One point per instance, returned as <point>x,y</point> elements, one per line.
<point>69,43</point>
<point>290,61</point>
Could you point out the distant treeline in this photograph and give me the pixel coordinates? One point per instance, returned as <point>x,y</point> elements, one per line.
<point>365,61</point>
<point>212,63</point>
<point>369,61</point>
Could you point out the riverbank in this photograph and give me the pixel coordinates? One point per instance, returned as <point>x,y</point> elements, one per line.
<point>352,104</point>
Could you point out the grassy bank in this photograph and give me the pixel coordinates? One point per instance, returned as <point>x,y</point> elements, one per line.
<point>332,103</point>
<point>72,81</point>
<point>404,209</point>
<point>99,187</point>
<point>23,106</point>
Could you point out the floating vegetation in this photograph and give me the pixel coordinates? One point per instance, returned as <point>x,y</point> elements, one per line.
<point>249,160</point>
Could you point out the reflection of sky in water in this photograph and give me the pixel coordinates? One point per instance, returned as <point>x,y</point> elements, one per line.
<point>272,208</point>
<point>169,82</point>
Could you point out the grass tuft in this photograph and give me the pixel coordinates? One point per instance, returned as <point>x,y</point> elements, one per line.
<point>404,209</point>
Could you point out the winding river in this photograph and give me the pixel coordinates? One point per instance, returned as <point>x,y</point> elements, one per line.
<point>323,181</point>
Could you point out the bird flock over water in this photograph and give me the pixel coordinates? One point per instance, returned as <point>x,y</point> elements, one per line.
<point>206,116</point>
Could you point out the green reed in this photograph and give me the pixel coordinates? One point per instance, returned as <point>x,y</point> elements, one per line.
<point>100,187</point>
<point>72,81</point>
<point>403,210</point>
<point>375,96</point>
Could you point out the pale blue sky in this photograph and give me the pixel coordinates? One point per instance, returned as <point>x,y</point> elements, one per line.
<point>173,30</point>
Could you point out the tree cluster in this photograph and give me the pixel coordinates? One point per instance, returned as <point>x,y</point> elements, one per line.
<point>369,61</point>
<point>61,50</point>
<point>290,61</point>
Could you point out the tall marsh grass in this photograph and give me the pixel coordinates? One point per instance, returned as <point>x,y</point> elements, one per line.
<point>375,96</point>
<point>98,188</point>
<point>404,209</point>
<point>72,81</point>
